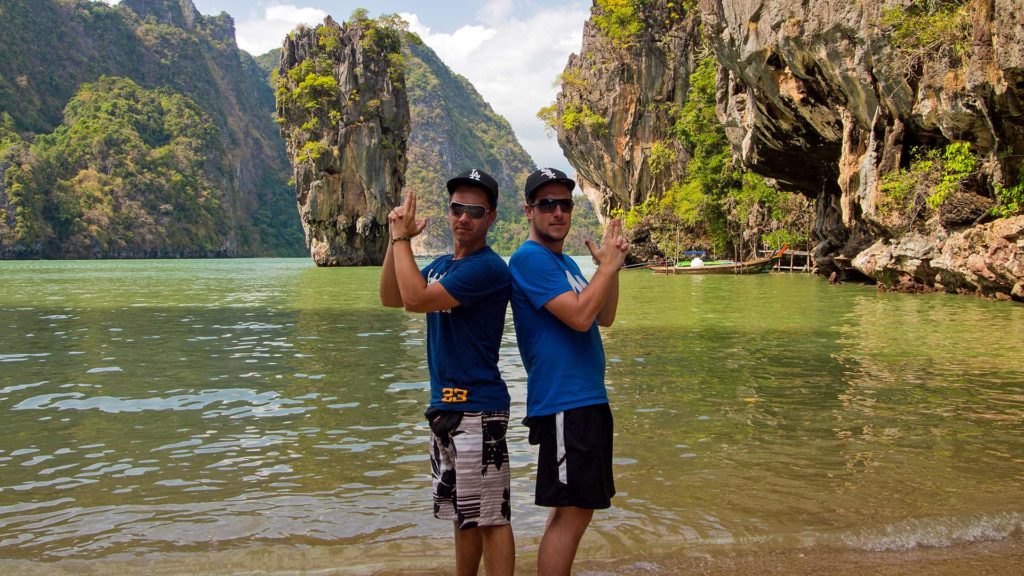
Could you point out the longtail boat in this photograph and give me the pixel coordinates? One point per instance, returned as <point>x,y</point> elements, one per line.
<point>755,266</point>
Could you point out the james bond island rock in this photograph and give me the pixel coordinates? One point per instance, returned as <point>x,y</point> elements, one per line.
<point>343,112</point>
<point>452,128</point>
<point>905,120</point>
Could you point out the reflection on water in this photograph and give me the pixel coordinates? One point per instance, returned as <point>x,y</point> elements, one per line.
<point>193,406</point>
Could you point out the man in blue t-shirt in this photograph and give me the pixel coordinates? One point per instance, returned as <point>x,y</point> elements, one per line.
<point>556,313</point>
<point>465,295</point>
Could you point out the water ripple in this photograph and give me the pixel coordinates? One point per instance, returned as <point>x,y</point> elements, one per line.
<point>257,403</point>
<point>202,405</point>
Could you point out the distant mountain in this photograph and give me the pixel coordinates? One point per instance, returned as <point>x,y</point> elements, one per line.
<point>454,129</point>
<point>136,130</point>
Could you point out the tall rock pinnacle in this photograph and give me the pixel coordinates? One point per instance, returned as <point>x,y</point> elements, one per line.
<point>343,111</point>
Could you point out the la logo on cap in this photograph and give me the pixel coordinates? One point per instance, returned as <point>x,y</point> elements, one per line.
<point>474,175</point>
<point>547,172</point>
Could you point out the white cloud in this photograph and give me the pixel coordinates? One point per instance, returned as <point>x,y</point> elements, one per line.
<point>497,10</point>
<point>513,63</point>
<point>455,49</point>
<point>262,35</point>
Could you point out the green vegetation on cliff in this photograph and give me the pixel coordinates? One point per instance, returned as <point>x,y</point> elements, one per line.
<point>124,175</point>
<point>715,202</point>
<point>1009,200</point>
<point>52,48</point>
<point>623,21</point>
<point>573,117</point>
<point>586,118</point>
<point>912,195</point>
<point>384,36</point>
<point>618,20</point>
<point>927,30</point>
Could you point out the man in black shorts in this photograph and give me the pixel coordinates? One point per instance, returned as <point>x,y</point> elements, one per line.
<point>557,313</point>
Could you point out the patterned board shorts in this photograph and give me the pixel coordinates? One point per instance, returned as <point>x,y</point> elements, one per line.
<point>471,476</point>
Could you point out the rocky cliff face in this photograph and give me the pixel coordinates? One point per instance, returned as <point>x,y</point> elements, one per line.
<point>344,114</point>
<point>619,98</point>
<point>636,118</point>
<point>819,96</point>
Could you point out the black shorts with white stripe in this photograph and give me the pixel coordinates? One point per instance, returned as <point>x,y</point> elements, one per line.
<point>574,467</point>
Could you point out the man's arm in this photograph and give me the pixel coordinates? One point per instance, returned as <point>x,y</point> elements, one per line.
<point>606,316</point>
<point>416,295</point>
<point>390,295</point>
<point>578,311</point>
<point>599,299</point>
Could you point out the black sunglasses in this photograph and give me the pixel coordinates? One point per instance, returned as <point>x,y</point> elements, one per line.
<point>548,205</point>
<point>475,211</point>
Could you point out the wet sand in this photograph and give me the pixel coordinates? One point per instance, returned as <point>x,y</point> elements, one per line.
<point>1002,558</point>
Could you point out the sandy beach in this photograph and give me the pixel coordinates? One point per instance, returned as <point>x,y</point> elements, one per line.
<point>1001,558</point>
<point>1004,558</point>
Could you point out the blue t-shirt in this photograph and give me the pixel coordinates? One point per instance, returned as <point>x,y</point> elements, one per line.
<point>463,342</point>
<point>564,367</point>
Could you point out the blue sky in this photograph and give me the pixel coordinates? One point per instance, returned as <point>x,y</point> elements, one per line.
<point>511,50</point>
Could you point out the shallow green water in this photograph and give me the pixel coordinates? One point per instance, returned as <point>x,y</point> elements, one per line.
<point>199,406</point>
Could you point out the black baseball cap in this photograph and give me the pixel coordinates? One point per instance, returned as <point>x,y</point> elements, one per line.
<point>479,179</point>
<point>546,176</point>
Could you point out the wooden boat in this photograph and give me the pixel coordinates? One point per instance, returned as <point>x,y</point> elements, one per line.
<point>755,266</point>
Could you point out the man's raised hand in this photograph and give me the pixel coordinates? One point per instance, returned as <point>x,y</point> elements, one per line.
<point>614,246</point>
<point>402,220</point>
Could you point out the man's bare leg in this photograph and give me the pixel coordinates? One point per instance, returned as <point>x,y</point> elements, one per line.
<point>565,528</point>
<point>499,550</point>
<point>468,548</point>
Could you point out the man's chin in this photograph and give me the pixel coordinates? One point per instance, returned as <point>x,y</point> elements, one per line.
<point>556,234</point>
<point>463,235</point>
